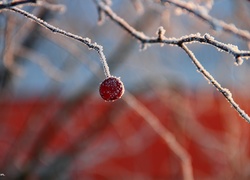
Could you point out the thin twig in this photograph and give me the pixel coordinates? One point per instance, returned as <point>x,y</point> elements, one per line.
<point>52,7</point>
<point>15,3</point>
<point>203,15</point>
<point>85,41</point>
<point>225,92</point>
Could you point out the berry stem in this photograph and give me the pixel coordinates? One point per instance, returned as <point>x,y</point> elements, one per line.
<point>54,29</point>
<point>104,64</point>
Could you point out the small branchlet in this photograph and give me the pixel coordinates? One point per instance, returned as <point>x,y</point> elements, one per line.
<point>216,24</point>
<point>101,16</point>
<point>138,6</point>
<point>52,7</point>
<point>160,33</point>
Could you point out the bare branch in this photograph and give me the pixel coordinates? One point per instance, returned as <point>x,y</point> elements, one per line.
<point>207,39</point>
<point>85,41</point>
<point>15,3</point>
<point>226,93</point>
<point>52,7</point>
<point>172,41</point>
<point>165,134</point>
<point>48,68</point>
<point>202,14</point>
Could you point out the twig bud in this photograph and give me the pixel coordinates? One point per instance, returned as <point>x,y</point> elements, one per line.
<point>161,33</point>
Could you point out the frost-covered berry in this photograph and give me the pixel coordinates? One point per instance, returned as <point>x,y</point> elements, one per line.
<point>111,89</point>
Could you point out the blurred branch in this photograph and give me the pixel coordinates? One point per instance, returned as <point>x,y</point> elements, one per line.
<point>41,3</point>
<point>23,34</point>
<point>202,14</point>
<point>186,119</point>
<point>138,6</point>
<point>52,7</point>
<point>9,49</point>
<point>48,68</point>
<point>60,163</point>
<point>207,39</point>
<point>4,72</point>
<point>15,3</point>
<point>166,135</point>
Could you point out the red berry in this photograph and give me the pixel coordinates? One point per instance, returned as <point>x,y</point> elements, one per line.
<point>111,89</point>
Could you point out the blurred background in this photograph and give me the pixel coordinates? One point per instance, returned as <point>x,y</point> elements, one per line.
<point>54,124</point>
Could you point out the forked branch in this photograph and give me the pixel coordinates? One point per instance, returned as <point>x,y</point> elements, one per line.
<point>207,39</point>
<point>160,38</point>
